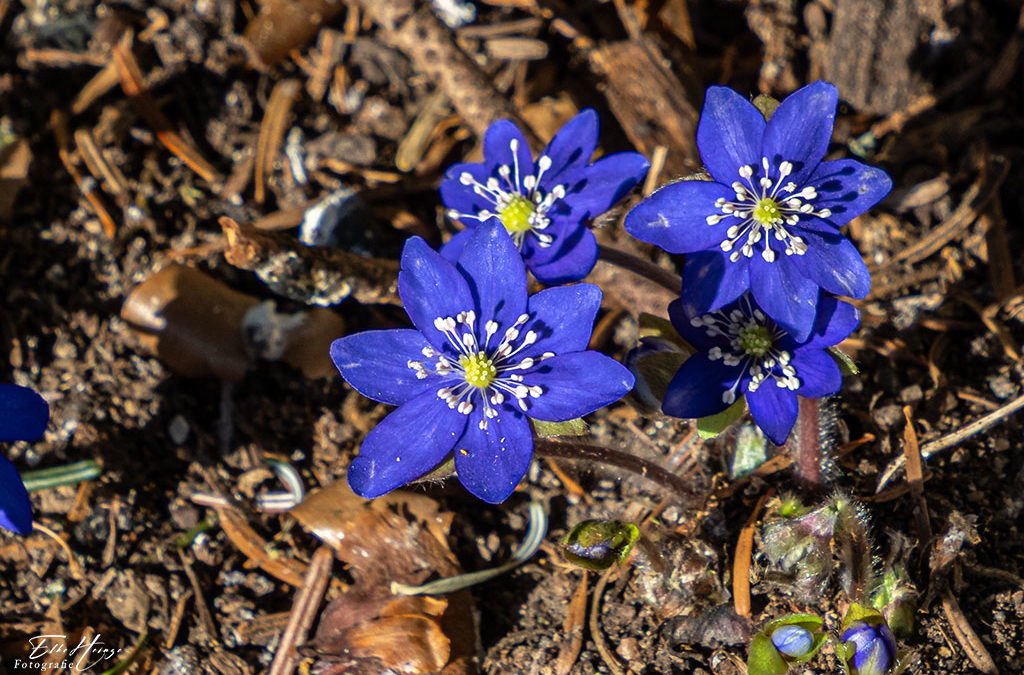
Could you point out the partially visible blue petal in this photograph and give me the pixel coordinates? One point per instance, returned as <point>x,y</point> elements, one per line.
<point>784,293</point>
<point>571,148</point>
<point>729,134</point>
<point>490,462</point>
<point>405,445</point>
<point>463,198</point>
<point>562,227</point>
<point>451,250</point>
<point>675,217</point>
<point>818,373</point>
<point>24,414</point>
<point>15,507</point>
<point>496,276</point>
<point>576,256</point>
<point>832,262</point>
<point>498,142</point>
<point>375,363</point>
<point>800,128</point>
<point>711,281</point>
<point>834,322</point>
<point>563,318</point>
<point>848,188</point>
<point>604,183</point>
<point>697,388</point>
<point>430,287</point>
<point>774,410</point>
<point>576,384</point>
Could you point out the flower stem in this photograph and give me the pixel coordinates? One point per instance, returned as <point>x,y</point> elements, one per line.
<point>808,445</point>
<point>644,268</point>
<point>623,460</point>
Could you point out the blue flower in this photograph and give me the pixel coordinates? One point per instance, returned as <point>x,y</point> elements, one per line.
<point>793,641</point>
<point>742,352</point>
<point>769,221</point>
<point>871,647</point>
<point>23,417</point>
<point>481,360</point>
<point>544,205</point>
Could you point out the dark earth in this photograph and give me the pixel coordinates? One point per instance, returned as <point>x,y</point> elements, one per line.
<point>129,130</point>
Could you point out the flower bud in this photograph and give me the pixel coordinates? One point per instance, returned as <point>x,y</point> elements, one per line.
<point>792,641</point>
<point>599,544</point>
<point>870,647</point>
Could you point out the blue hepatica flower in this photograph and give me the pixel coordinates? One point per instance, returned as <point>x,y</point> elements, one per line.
<point>742,352</point>
<point>769,221</point>
<point>481,360</point>
<point>873,648</point>
<point>546,204</point>
<point>23,417</point>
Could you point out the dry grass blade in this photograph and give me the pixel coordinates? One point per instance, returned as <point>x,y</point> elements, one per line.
<point>573,628</point>
<point>272,130</point>
<point>607,655</point>
<point>254,547</point>
<point>968,639</point>
<point>741,562</point>
<point>915,476</point>
<point>134,86</point>
<point>304,611</point>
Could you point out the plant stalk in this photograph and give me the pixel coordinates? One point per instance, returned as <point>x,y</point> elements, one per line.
<point>644,268</point>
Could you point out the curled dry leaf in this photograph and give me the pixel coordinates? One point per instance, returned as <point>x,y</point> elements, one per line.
<point>398,537</point>
<point>200,327</point>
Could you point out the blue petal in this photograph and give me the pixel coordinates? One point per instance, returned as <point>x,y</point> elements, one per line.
<point>711,281</point>
<point>576,384</point>
<point>729,134</point>
<point>496,276</point>
<point>375,364</point>
<point>818,373</point>
<point>800,128</point>
<point>774,410</point>
<point>784,293</point>
<point>697,388</point>
<point>498,142</point>
<point>605,183</point>
<point>834,323</point>
<point>405,445</point>
<point>15,507</point>
<point>462,198</point>
<point>453,248</point>
<point>697,337</point>
<point>577,255</point>
<point>431,287</point>
<point>675,217</point>
<point>490,462</point>
<point>572,147</point>
<point>848,188</point>
<point>562,228</point>
<point>563,318</point>
<point>832,262</point>
<point>24,414</point>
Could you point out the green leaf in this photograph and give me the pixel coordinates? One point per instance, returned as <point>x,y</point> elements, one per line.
<point>575,427</point>
<point>843,360</point>
<point>649,325</point>
<point>712,425</point>
<point>764,658</point>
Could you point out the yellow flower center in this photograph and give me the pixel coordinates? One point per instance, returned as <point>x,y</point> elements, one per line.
<point>767,212</point>
<point>755,340</point>
<point>479,369</point>
<point>515,215</point>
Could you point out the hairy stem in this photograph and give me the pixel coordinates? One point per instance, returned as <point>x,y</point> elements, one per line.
<point>644,268</point>
<point>623,460</point>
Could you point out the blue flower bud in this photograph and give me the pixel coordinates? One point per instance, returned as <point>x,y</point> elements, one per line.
<point>874,648</point>
<point>792,640</point>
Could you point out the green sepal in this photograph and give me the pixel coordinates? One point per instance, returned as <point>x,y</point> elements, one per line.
<point>766,105</point>
<point>843,360</point>
<point>751,451</point>
<point>858,612</point>
<point>712,425</point>
<point>573,427</point>
<point>764,658</point>
<point>598,544</point>
<point>446,469</point>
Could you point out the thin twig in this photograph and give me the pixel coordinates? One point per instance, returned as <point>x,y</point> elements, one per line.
<point>976,427</point>
<point>623,460</point>
<point>304,612</point>
<point>644,268</point>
